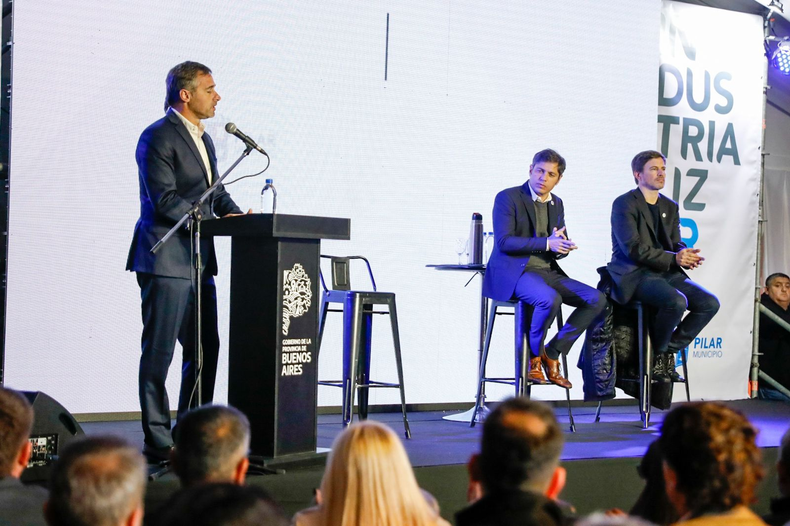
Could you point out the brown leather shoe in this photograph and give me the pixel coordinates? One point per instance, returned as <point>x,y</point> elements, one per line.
<point>553,372</point>
<point>536,372</point>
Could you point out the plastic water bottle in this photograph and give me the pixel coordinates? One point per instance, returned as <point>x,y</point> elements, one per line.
<point>269,198</point>
<point>488,246</point>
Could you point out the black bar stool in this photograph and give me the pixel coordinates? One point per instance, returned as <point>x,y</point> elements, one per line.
<point>522,313</point>
<point>358,311</point>
<point>646,358</point>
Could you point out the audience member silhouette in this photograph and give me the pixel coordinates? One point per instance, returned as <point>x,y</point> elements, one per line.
<point>222,504</point>
<point>211,445</point>
<point>711,464</point>
<point>368,481</point>
<point>517,478</point>
<point>780,507</point>
<point>653,504</point>
<point>19,504</point>
<point>98,481</point>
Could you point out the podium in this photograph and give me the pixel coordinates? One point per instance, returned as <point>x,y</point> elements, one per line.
<point>274,305</point>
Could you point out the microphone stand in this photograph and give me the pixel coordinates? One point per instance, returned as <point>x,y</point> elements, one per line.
<point>195,217</point>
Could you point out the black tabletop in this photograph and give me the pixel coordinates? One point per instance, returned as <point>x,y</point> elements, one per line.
<point>479,267</point>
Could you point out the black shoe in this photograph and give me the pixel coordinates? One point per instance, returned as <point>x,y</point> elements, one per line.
<point>660,370</point>
<point>156,455</point>
<point>671,370</point>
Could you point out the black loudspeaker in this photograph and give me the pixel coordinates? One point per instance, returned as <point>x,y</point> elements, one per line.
<point>53,429</point>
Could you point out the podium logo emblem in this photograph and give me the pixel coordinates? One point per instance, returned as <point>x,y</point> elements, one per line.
<point>296,295</point>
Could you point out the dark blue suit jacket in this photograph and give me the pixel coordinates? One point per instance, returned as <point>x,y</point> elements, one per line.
<point>515,241</point>
<point>512,508</point>
<point>21,505</point>
<point>173,176</point>
<point>634,239</point>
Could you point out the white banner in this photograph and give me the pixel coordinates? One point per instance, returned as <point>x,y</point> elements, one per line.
<point>709,116</point>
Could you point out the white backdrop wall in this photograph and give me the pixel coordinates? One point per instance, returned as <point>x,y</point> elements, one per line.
<point>472,92</point>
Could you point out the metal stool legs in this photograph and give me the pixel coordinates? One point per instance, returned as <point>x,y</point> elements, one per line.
<point>522,355</point>
<point>399,364</point>
<point>322,322</point>
<point>686,373</point>
<point>484,359</point>
<point>357,329</point>
<point>645,349</point>
<point>352,332</point>
<point>567,391</point>
<point>645,366</point>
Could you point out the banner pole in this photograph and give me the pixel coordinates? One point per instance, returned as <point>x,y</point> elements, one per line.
<point>754,370</point>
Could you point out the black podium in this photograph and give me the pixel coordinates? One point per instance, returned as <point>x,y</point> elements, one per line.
<point>274,305</point>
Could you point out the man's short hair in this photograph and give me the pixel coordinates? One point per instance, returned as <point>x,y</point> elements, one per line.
<point>512,454</point>
<point>550,156</point>
<point>210,442</point>
<point>712,450</point>
<point>97,481</point>
<point>183,76</point>
<point>16,421</point>
<point>223,504</point>
<point>642,158</point>
<point>773,277</point>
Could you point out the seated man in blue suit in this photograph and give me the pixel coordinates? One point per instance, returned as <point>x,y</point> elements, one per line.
<point>648,262</point>
<point>176,164</point>
<point>530,235</point>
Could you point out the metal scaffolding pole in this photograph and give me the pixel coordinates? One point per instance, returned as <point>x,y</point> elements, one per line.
<point>754,370</point>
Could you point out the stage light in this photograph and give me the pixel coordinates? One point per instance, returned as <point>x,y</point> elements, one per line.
<point>781,57</point>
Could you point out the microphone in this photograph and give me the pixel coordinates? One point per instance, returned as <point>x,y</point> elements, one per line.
<point>233,130</point>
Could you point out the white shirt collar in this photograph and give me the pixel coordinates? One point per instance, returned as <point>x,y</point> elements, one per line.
<point>194,130</point>
<point>536,197</point>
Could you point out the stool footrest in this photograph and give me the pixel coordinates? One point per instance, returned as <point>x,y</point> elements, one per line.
<point>339,383</point>
<point>508,381</point>
<point>331,383</point>
<point>370,312</point>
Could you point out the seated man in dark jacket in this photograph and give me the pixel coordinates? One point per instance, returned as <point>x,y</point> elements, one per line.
<point>530,236</point>
<point>649,263</point>
<point>775,340</point>
<point>517,477</point>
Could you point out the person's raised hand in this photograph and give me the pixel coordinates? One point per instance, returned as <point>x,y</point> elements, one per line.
<point>234,215</point>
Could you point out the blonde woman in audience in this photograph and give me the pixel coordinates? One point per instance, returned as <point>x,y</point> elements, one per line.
<point>368,481</point>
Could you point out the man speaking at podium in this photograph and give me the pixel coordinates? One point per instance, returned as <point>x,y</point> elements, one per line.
<point>176,163</point>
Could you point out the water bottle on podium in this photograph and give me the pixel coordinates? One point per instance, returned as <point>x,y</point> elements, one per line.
<point>269,198</point>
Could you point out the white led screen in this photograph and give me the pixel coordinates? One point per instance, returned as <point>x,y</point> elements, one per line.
<point>472,90</point>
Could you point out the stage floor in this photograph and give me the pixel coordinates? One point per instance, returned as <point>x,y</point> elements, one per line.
<point>436,441</point>
<point>601,458</point>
